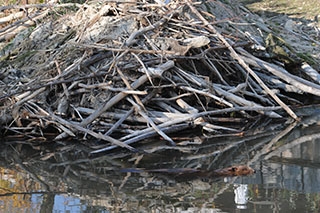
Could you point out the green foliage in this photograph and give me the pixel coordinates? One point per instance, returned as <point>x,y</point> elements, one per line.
<point>307,57</point>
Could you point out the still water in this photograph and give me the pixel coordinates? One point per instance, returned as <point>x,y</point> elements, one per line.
<point>59,179</point>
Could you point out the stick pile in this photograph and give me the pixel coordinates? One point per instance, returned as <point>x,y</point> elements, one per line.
<point>125,71</point>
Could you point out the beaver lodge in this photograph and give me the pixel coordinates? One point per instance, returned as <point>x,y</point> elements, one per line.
<point>121,72</point>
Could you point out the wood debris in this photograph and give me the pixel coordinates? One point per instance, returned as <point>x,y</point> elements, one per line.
<point>125,71</point>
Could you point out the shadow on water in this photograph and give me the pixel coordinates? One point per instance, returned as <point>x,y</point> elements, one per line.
<point>63,178</point>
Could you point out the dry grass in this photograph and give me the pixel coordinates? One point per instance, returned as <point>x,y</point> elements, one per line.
<point>295,8</point>
<point>12,2</point>
<point>21,2</point>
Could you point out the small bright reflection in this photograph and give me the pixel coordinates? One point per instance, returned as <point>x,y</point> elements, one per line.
<point>64,203</point>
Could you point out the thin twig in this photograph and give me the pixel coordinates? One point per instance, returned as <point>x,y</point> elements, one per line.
<point>242,62</point>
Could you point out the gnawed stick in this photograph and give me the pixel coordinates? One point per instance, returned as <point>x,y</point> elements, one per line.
<point>244,102</point>
<point>200,121</point>
<point>167,107</point>
<point>90,132</point>
<point>11,17</point>
<point>312,73</point>
<point>26,97</point>
<point>184,105</point>
<point>9,32</point>
<point>153,125</point>
<point>192,117</point>
<point>171,125</point>
<point>242,63</point>
<point>208,94</point>
<point>155,72</point>
<point>296,81</point>
<point>128,113</point>
<point>151,133</point>
<point>156,116</point>
<point>140,107</point>
<point>240,88</point>
<point>106,86</point>
<point>187,117</point>
<point>211,127</point>
<point>279,84</point>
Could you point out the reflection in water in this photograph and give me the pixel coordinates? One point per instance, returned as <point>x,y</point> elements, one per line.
<point>175,197</point>
<point>241,195</point>
<point>287,164</point>
<point>65,203</point>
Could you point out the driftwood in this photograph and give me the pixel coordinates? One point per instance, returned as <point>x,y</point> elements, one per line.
<point>128,71</point>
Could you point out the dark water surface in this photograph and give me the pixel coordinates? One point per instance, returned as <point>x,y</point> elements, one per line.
<point>60,179</point>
